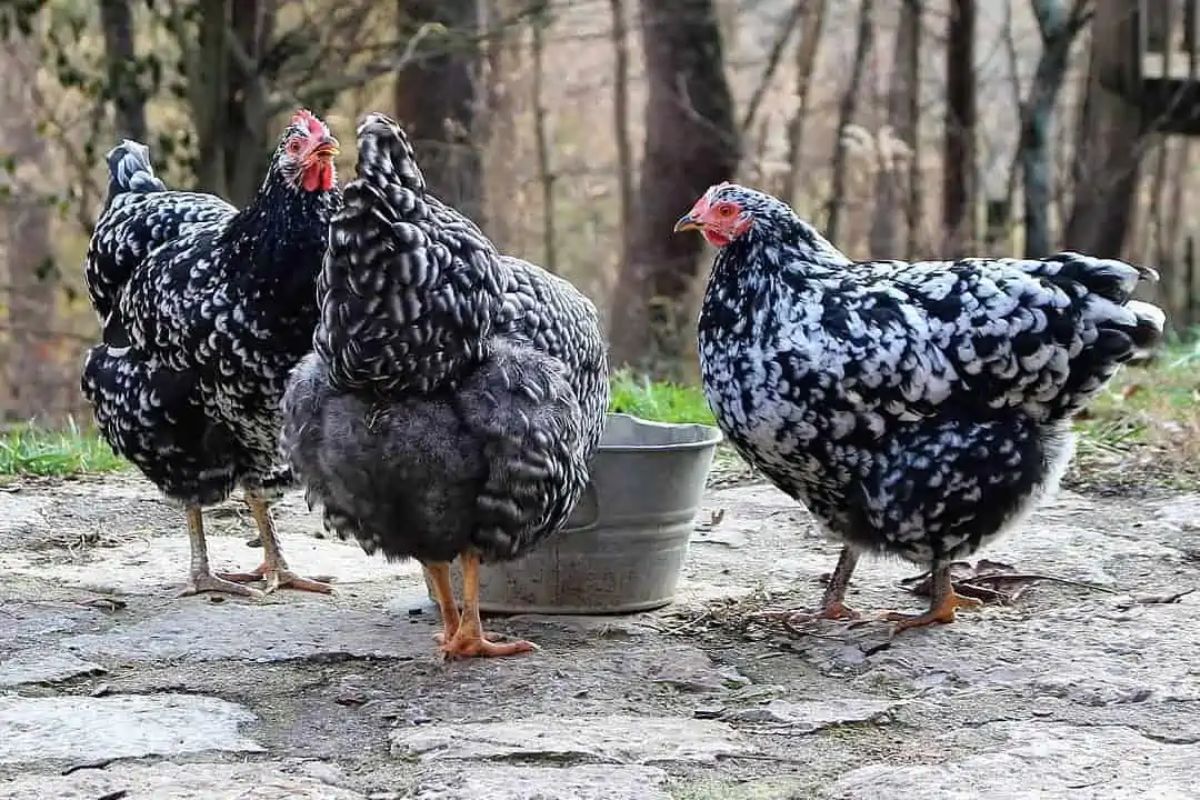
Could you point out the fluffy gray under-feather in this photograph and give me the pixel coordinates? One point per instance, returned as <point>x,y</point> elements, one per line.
<point>455,396</point>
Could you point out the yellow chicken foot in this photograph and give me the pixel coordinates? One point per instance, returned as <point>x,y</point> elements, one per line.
<point>470,641</point>
<point>201,578</point>
<point>832,604</point>
<point>274,569</point>
<point>942,607</point>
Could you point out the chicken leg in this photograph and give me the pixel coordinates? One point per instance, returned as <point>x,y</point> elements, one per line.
<point>832,603</point>
<point>274,569</point>
<point>945,601</point>
<point>439,576</point>
<point>201,578</point>
<point>470,641</point>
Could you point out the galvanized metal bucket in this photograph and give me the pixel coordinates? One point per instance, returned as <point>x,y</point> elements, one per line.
<point>624,546</point>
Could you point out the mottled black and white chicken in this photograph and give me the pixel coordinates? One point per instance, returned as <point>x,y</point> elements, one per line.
<point>205,310</point>
<point>455,396</point>
<point>916,409</point>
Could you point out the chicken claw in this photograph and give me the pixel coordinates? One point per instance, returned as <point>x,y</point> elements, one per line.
<point>201,578</point>
<point>207,582</point>
<point>274,568</point>
<point>833,604</point>
<point>941,611</point>
<point>468,644</point>
<point>277,577</point>
<point>469,639</point>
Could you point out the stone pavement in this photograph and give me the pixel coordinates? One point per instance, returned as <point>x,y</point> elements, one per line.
<point>111,687</point>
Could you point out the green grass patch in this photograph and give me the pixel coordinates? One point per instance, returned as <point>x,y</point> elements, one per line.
<point>658,401</point>
<point>1145,427</point>
<point>1142,431</point>
<point>27,450</point>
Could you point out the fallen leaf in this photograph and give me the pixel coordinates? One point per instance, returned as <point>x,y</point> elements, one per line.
<point>968,581</point>
<point>991,581</point>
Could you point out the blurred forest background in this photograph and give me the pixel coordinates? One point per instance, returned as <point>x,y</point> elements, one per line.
<point>577,131</point>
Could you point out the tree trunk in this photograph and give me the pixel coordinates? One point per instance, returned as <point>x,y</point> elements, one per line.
<point>691,144</point>
<point>997,234</point>
<point>120,58</point>
<point>849,106</point>
<point>546,175</point>
<point>902,117</point>
<point>916,184</point>
<point>958,192</point>
<point>208,81</point>
<point>1058,26</point>
<point>32,374</point>
<point>806,61</point>
<point>1169,259</point>
<point>1108,153</point>
<point>1153,245</point>
<point>227,91</point>
<point>435,96</point>
<point>620,43</point>
<point>497,125</point>
<point>249,141</point>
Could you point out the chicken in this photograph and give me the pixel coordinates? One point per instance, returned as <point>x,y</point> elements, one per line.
<point>205,310</point>
<point>455,396</point>
<point>916,409</point>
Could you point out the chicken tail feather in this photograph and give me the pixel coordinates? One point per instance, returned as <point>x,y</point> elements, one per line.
<point>1151,320</point>
<point>129,170</point>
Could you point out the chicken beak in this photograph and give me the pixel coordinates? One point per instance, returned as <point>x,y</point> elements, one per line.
<point>328,147</point>
<point>687,223</point>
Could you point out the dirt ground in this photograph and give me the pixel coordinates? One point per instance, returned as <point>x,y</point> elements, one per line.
<point>111,687</point>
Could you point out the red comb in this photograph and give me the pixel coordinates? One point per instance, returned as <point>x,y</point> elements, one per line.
<point>307,119</point>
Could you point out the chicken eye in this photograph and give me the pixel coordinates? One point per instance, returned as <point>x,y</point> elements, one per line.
<point>294,146</point>
<point>726,211</point>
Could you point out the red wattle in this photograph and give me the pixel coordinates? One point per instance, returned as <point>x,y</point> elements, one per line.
<point>318,177</point>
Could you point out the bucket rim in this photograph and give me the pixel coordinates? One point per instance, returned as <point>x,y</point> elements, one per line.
<point>711,437</point>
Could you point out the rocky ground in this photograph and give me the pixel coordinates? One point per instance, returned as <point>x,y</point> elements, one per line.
<point>111,687</point>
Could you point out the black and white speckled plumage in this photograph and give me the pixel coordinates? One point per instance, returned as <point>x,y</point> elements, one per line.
<point>917,409</point>
<point>455,396</point>
<point>205,311</point>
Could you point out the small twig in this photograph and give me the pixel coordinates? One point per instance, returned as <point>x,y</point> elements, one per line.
<point>993,594</point>
<point>687,625</point>
<point>796,629</point>
<point>776,53</point>
<point>105,603</point>
<point>1019,577</point>
<point>98,764</point>
<point>1157,599</point>
<point>777,759</point>
<point>772,614</point>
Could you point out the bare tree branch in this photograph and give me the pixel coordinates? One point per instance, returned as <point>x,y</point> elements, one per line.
<point>849,106</point>
<point>772,65</point>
